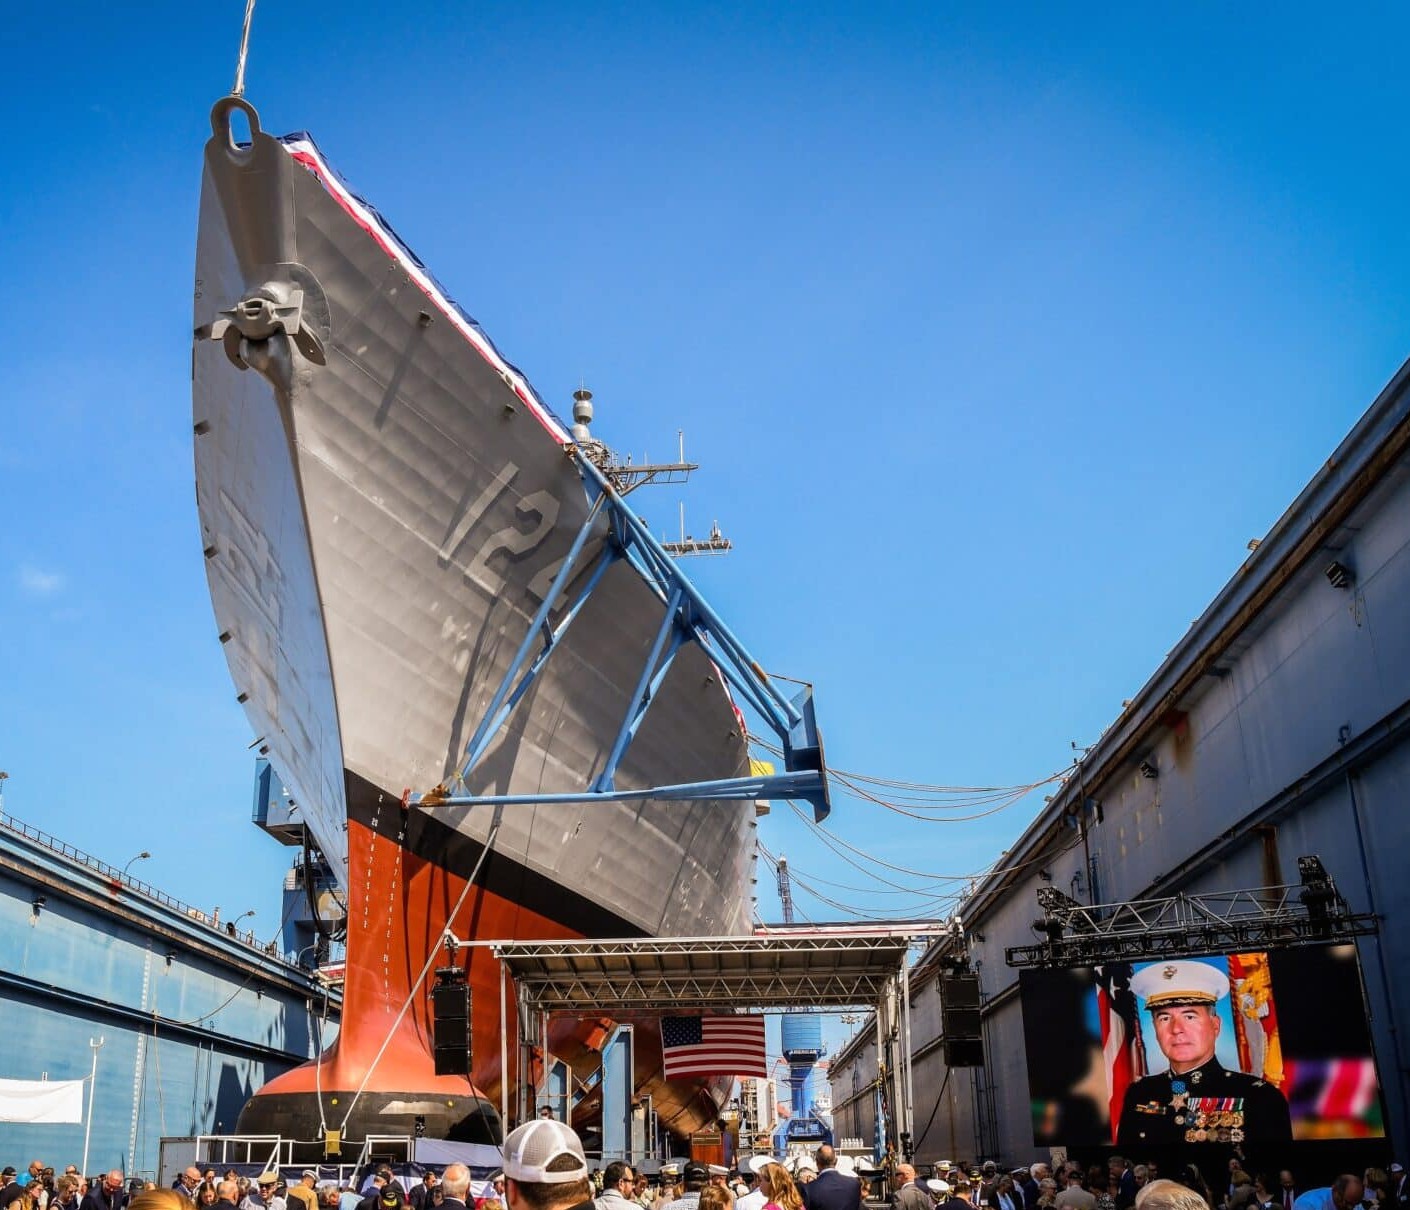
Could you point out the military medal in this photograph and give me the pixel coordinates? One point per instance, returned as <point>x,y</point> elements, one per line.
<point>1190,1135</point>
<point>1178,1103</point>
<point>1178,1087</point>
<point>1236,1135</point>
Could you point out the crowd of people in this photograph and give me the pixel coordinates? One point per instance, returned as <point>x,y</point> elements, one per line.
<point>545,1164</point>
<point>1121,1185</point>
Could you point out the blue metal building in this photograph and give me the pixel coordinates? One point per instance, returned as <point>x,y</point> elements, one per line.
<point>192,1017</point>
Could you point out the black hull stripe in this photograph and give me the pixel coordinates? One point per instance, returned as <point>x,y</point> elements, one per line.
<point>423,835</point>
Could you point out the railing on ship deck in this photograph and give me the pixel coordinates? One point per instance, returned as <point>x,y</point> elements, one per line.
<point>120,879</point>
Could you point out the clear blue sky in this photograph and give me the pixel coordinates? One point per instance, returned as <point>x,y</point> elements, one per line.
<point>999,331</point>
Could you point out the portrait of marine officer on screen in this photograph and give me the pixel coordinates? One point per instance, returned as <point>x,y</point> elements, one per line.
<point>1197,1099</point>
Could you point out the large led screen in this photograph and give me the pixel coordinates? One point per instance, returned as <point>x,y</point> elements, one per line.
<point>1238,1048</point>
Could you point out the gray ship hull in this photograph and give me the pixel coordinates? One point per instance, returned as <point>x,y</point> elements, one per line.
<point>379,530</point>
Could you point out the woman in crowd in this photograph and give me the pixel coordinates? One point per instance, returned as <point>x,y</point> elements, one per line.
<point>1099,1182</point>
<point>1047,1192</point>
<point>780,1193</point>
<point>1263,1191</point>
<point>716,1197</point>
<point>1192,1178</point>
<point>1242,1193</point>
<point>159,1199</point>
<point>205,1194</point>
<point>66,1195</point>
<point>1376,1183</point>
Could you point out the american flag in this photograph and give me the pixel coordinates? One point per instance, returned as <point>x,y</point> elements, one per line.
<point>1123,1054</point>
<point>713,1046</point>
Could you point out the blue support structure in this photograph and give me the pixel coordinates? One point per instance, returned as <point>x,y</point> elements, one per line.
<point>617,1081</point>
<point>688,618</point>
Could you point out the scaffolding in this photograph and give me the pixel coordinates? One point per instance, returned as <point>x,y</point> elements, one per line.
<point>1310,913</point>
<point>837,968</point>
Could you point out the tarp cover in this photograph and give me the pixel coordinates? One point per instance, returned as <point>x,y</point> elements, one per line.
<point>41,1100</point>
<point>480,1158</point>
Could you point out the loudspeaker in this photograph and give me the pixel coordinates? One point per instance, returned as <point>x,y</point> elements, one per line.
<point>959,1020</point>
<point>959,991</point>
<point>964,1052</point>
<point>450,1022</point>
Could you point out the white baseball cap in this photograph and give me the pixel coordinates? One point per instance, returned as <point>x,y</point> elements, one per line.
<point>530,1149</point>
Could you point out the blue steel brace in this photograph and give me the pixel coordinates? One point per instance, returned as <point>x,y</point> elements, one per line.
<point>688,617</point>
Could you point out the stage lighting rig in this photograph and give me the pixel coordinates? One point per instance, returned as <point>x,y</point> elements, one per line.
<point>1181,926</point>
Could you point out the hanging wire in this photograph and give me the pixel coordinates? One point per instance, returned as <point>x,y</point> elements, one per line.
<point>239,89</point>
<point>931,892</point>
<point>911,799</point>
<point>922,904</point>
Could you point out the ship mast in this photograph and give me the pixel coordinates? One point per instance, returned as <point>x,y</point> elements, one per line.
<point>626,476</point>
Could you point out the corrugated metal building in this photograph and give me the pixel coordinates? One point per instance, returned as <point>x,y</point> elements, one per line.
<point>1277,727</point>
<point>192,1018</point>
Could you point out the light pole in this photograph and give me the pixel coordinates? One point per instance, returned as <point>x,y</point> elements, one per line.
<point>142,856</point>
<point>92,1081</point>
<point>235,924</point>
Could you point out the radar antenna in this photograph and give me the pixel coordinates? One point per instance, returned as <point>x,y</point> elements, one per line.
<point>626,476</point>
<point>715,544</point>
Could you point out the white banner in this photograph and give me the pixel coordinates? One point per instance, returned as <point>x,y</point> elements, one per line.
<point>41,1100</point>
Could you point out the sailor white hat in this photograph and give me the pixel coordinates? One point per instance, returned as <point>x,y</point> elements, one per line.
<point>846,1167</point>
<point>757,1163</point>
<point>936,1186</point>
<point>805,1163</point>
<point>1171,984</point>
<point>670,1170</point>
<point>717,1169</point>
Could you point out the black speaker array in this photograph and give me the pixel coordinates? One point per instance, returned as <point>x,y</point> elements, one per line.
<point>959,1021</point>
<point>450,1022</point>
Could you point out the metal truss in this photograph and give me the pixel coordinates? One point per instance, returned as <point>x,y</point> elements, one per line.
<point>827,971</point>
<point>1187,925</point>
<point>688,618</point>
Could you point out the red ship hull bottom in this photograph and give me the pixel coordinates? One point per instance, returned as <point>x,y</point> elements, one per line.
<point>379,1076</point>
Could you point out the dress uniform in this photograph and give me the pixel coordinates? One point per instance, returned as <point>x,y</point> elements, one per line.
<point>1205,1103</point>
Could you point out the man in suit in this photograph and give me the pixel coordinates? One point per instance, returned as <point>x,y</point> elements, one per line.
<point>832,1190</point>
<point>910,1196</point>
<point>1399,1187</point>
<point>1036,1172</point>
<point>109,1194</point>
<point>188,1182</point>
<point>455,1184</point>
<point>988,1184</point>
<point>1020,1179</point>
